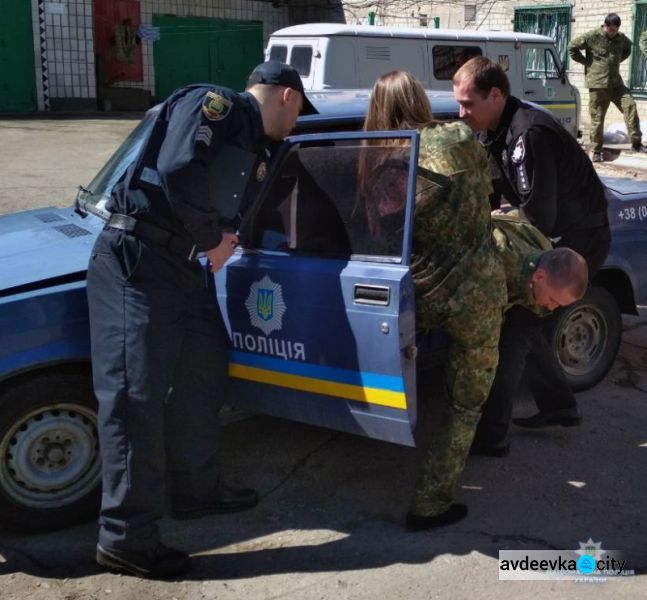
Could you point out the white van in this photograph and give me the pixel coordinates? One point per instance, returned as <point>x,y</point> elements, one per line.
<point>338,56</point>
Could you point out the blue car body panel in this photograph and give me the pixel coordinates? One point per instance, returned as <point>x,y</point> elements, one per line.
<point>332,361</point>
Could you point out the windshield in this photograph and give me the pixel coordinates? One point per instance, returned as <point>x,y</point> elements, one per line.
<point>98,191</point>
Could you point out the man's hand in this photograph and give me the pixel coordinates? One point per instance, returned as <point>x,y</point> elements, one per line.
<point>219,255</point>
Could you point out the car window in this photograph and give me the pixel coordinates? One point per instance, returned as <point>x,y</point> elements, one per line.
<point>300,59</point>
<point>323,201</point>
<point>279,53</point>
<point>448,59</point>
<point>541,64</point>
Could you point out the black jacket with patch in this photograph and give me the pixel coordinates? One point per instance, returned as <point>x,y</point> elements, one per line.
<point>538,166</point>
<point>203,160</point>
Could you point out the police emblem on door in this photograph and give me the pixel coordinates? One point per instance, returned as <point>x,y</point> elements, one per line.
<point>265,305</point>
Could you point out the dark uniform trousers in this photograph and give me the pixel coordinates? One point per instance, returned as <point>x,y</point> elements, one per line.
<point>524,351</point>
<point>530,153</point>
<point>160,379</point>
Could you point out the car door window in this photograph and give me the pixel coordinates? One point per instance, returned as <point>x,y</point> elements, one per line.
<point>316,203</point>
<point>541,64</point>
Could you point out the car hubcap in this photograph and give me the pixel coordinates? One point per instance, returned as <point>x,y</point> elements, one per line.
<point>581,340</point>
<point>50,457</point>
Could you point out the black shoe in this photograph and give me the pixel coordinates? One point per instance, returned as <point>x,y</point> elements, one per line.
<point>229,500</point>
<point>597,157</point>
<point>160,562</point>
<point>453,514</point>
<point>498,451</point>
<point>566,417</point>
<point>639,148</point>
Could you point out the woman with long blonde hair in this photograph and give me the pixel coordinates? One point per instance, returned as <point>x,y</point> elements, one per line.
<point>458,276</point>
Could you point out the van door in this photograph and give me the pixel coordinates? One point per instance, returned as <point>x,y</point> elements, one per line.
<point>544,84</point>
<point>299,53</point>
<point>320,310</point>
<point>445,58</point>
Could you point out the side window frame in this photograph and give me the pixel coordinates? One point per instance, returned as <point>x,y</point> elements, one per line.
<point>473,50</point>
<point>250,224</point>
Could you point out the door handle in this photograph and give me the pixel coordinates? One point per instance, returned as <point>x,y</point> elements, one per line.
<point>529,92</point>
<point>373,295</point>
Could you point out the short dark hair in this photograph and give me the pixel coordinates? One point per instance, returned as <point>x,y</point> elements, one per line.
<point>566,269</point>
<point>484,74</point>
<point>612,19</point>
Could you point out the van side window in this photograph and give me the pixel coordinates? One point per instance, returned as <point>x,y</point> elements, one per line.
<point>312,205</point>
<point>301,59</point>
<point>541,64</point>
<point>448,59</point>
<point>279,53</point>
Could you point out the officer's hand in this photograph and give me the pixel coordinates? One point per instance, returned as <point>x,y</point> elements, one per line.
<point>219,255</point>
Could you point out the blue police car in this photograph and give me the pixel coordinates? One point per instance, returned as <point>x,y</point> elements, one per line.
<point>321,321</point>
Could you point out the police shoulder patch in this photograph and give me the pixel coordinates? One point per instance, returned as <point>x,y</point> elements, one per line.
<point>519,151</point>
<point>215,107</point>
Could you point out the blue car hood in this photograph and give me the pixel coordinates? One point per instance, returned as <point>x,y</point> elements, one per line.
<point>44,244</point>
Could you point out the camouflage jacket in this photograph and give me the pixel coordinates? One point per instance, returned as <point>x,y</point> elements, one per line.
<point>520,245</point>
<point>602,57</point>
<point>452,236</point>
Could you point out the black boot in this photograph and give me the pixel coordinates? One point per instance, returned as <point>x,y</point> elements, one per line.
<point>453,514</point>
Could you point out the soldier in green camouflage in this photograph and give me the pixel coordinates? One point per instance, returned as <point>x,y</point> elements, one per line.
<point>539,279</point>
<point>605,48</point>
<point>457,272</point>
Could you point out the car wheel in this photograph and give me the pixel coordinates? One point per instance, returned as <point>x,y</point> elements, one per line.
<point>50,468</point>
<point>586,337</point>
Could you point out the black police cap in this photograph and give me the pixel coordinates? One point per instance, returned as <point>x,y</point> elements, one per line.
<point>274,72</point>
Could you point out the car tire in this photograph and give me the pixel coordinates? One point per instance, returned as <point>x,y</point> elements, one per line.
<point>586,337</point>
<point>50,467</point>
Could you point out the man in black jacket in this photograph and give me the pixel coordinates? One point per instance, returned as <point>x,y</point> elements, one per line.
<point>159,345</point>
<point>540,168</point>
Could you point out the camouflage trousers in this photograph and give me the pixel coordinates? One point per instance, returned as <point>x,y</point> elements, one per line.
<point>472,317</point>
<point>599,100</point>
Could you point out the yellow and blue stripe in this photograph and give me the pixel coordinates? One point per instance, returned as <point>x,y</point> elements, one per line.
<point>359,386</point>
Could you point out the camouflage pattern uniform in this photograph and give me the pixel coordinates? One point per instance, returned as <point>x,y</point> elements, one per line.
<point>520,245</point>
<point>460,285</point>
<point>602,70</point>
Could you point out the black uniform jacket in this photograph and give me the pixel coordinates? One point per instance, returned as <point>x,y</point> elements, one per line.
<point>204,159</point>
<point>538,166</point>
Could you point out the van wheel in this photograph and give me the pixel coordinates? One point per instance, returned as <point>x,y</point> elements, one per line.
<point>586,338</point>
<point>50,469</point>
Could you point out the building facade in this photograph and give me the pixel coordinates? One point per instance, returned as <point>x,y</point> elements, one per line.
<point>123,54</point>
<point>561,20</point>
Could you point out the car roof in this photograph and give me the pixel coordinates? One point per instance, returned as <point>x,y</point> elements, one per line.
<point>347,107</point>
<point>341,29</point>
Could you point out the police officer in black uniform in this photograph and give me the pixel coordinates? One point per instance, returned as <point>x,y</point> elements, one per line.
<point>158,340</point>
<point>540,168</point>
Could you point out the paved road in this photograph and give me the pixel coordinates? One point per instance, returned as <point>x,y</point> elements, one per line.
<point>330,522</point>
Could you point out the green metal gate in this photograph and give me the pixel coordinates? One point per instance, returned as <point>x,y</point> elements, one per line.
<point>17,76</point>
<point>553,21</point>
<point>196,50</point>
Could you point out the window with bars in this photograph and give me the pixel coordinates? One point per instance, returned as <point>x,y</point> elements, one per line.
<point>638,76</point>
<point>470,13</point>
<point>553,21</point>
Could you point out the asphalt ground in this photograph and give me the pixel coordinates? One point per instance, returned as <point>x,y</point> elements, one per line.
<point>329,525</point>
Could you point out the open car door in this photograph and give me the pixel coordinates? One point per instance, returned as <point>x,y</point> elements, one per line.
<point>319,299</point>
